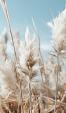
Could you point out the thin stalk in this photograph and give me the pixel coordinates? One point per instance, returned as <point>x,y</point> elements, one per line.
<point>56,93</point>
<point>39,108</point>
<point>20,107</point>
<point>10,30</point>
<point>30,98</point>
<point>20,103</point>
<point>21,95</point>
<point>42,61</point>
<point>9,25</point>
<point>57,78</point>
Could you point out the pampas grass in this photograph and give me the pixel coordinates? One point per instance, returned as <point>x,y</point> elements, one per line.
<point>28,83</point>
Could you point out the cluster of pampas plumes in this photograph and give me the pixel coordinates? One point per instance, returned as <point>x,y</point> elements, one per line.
<point>58,26</point>
<point>28,83</point>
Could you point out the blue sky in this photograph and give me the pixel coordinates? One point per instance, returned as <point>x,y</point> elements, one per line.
<point>22,11</point>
